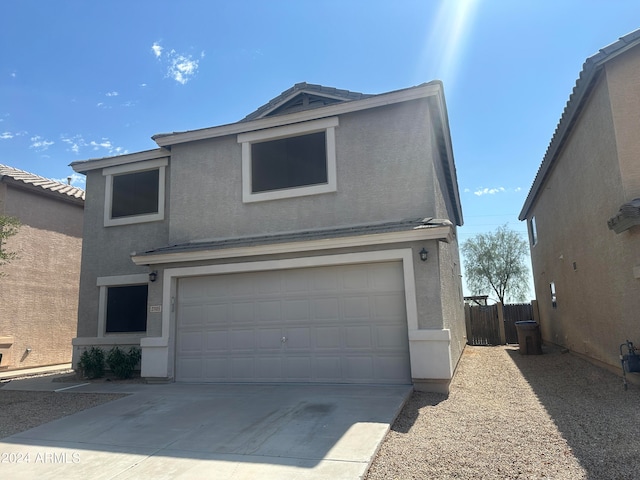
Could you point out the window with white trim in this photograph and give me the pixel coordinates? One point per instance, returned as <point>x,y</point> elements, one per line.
<point>289,161</point>
<point>134,193</point>
<point>123,304</point>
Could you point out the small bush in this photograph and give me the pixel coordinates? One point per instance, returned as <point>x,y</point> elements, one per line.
<point>91,363</point>
<point>123,364</point>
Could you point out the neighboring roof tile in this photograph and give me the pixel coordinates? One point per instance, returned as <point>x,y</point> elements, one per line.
<point>302,88</point>
<point>34,181</point>
<point>586,80</point>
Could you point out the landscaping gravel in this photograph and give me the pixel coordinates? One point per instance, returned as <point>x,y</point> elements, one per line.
<point>22,410</point>
<point>512,416</point>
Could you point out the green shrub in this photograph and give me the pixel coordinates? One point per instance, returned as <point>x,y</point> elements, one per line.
<point>91,363</point>
<point>123,364</point>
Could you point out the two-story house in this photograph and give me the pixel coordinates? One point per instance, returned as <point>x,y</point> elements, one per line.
<point>312,241</point>
<point>583,211</point>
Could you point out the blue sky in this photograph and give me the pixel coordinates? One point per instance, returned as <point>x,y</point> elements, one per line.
<point>82,80</point>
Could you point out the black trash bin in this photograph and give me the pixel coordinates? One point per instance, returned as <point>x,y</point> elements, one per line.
<point>529,337</point>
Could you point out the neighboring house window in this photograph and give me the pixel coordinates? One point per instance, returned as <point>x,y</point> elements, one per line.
<point>123,304</point>
<point>533,230</point>
<point>554,300</point>
<point>289,161</point>
<point>134,193</point>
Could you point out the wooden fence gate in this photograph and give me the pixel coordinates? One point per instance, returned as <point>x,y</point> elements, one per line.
<point>483,322</point>
<point>483,325</point>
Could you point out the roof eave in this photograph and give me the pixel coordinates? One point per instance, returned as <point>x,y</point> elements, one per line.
<point>422,91</point>
<point>584,85</point>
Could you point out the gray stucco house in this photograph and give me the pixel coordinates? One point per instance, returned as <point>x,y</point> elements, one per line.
<point>290,246</point>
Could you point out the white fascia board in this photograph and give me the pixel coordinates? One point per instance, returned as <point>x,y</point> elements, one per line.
<point>436,233</point>
<point>98,163</point>
<point>303,116</point>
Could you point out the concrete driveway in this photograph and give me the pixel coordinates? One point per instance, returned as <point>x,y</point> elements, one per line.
<point>209,431</point>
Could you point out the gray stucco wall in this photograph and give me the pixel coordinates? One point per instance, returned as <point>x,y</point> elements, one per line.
<point>106,250</point>
<point>384,172</point>
<point>598,298</point>
<point>39,294</point>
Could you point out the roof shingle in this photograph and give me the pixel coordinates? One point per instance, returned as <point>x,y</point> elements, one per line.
<point>35,181</point>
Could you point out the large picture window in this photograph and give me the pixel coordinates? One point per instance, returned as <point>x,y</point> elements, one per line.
<point>134,193</point>
<point>126,309</point>
<point>289,161</point>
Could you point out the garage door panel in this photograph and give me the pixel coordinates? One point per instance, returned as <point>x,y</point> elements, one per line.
<point>328,337</point>
<point>298,368</point>
<point>269,368</point>
<point>296,311</point>
<point>356,307</point>
<point>269,339</point>
<point>388,368</point>
<point>242,368</point>
<point>243,340</point>
<point>359,368</point>
<point>298,338</point>
<point>341,324</point>
<point>268,311</point>
<point>241,312</point>
<point>191,342</point>
<point>391,337</point>
<point>358,337</point>
<point>216,369</point>
<point>327,308</point>
<point>216,341</point>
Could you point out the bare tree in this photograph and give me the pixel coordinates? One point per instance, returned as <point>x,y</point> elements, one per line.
<point>8,227</point>
<point>496,262</point>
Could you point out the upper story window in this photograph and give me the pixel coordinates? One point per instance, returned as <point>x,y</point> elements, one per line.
<point>289,161</point>
<point>134,193</point>
<point>533,231</point>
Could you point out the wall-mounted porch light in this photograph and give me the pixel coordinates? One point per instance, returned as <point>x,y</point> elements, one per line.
<point>424,254</point>
<point>153,276</point>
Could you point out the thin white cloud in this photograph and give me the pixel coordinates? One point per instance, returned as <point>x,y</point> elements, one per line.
<point>6,135</point>
<point>489,191</point>
<point>40,144</point>
<point>112,94</point>
<point>156,49</point>
<point>76,143</point>
<point>517,189</point>
<point>181,67</point>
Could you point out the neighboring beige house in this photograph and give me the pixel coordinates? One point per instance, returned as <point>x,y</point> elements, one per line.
<point>583,211</point>
<point>39,289</point>
<point>314,241</point>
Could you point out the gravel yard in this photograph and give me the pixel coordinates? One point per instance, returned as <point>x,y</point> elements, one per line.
<point>507,416</point>
<point>22,410</point>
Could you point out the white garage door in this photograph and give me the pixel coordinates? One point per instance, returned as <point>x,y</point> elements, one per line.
<point>336,324</point>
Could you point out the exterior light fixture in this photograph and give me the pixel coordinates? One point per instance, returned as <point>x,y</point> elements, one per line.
<point>153,276</point>
<point>424,254</point>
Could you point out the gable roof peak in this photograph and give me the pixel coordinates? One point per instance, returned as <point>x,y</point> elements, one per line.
<point>303,96</point>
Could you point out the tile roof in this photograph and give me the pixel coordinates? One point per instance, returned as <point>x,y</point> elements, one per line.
<point>304,88</point>
<point>581,91</point>
<point>318,234</point>
<point>30,180</point>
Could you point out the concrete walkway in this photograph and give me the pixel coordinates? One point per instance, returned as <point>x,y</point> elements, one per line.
<point>208,431</point>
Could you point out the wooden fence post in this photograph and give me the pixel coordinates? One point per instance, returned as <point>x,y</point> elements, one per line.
<point>503,336</point>
<point>467,321</point>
